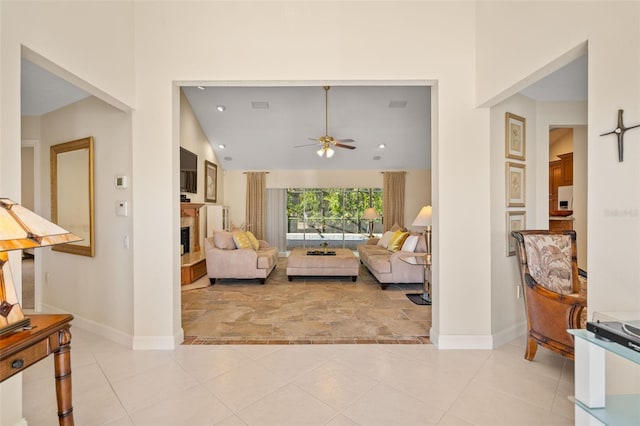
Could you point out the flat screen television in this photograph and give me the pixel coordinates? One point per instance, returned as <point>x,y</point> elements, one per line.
<point>188,171</point>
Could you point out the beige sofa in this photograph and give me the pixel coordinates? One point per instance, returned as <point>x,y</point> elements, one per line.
<point>387,266</point>
<point>225,260</point>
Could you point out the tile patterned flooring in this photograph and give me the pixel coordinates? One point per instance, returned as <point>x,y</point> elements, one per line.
<point>295,385</point>
<point>307,310</point>
<point>310,384</point>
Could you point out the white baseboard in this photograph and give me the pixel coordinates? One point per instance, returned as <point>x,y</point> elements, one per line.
<point>145,343</point>
<point>102,330</point>
<point>509,334</point>
<point>478,341</point>
<point>117,336</point>
<point>463,341</point>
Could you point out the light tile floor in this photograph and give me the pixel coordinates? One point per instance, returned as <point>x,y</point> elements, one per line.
<point>284,385</point>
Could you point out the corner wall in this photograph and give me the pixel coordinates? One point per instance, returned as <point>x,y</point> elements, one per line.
<point>80,38</point>
<point>96,290</point>
<point>270,41</point>
<point>507,310</point>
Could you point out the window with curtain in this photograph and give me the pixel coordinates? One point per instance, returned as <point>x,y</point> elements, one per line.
<point>331,215</point>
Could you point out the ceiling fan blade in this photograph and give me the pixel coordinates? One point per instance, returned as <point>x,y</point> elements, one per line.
<point>314,139</point>
<point>345,140</point>
<point>344,146</point>
<point>307,144</point>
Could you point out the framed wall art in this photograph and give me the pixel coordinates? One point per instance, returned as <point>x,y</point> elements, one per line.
<point>516,221</point>
<point>210,182</point>
<point>515,136</point>
<point>515,179</point>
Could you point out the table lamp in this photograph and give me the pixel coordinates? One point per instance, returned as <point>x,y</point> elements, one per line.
<point>424,220</point>
<point>20,228</point>
<point>370,214</point>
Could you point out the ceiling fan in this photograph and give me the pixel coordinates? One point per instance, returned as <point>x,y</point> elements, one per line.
<point>327,141</point>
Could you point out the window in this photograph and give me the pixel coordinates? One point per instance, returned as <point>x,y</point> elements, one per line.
<point>331,215</point>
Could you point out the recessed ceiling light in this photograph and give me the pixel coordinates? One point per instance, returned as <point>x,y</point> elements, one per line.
<point>397,104</point>
<point>221,108</point>
<point>382,146</point>
<point>200,87</point>
<point>377,157</point>
<point>222,146</point>
<point>260,105</point>
<point>228,158</point>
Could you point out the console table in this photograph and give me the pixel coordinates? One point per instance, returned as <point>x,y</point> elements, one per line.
<point>592,405</point>
<point>49,334</point>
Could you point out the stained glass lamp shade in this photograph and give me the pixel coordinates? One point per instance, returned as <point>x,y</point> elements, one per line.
<point>20,228</point>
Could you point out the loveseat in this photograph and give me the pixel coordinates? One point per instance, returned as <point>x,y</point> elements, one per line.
<point>238,255</point>
<point>385,263</point>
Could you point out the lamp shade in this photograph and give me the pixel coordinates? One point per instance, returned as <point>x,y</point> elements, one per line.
<point>423,218</point>
<point>20,228</point>
<point>370,214</point>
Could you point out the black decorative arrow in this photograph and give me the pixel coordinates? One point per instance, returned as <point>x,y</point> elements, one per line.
<point>619,131</point>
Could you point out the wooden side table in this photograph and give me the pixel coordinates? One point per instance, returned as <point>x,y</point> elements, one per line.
<point>48,334</point>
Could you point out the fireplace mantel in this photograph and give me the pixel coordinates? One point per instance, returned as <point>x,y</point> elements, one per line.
<point>193,210</point>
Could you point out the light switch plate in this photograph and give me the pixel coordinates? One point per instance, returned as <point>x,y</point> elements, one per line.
<point>121,208</point>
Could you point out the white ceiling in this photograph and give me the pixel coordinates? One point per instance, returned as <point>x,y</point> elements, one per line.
<point>296,114</point>
<point>267,138</point>
<point>42,92</point>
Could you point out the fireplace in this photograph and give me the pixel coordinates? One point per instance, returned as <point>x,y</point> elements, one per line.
<point>190,218</point>
<point>185,239</point>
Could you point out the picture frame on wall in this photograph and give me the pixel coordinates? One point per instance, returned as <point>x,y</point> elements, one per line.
<point>210,182</point>
<point>515,179</point>
<point>515,136</point>
<point>516,221</point>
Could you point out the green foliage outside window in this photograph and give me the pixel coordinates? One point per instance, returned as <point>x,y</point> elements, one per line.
<point>315,212</point>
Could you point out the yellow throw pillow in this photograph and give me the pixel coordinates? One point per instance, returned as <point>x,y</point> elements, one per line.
<point>254,241</point>
<point>241,240</point>
<point>397,240</point>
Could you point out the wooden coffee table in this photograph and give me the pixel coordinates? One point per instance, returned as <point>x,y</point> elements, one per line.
<point>343,264</point>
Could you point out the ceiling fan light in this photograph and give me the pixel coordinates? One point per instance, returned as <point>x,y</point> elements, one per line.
<point>320,152</point>
<point>330,152</point>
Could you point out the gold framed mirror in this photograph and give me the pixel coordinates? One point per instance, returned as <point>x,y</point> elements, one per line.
<point>72,193</point>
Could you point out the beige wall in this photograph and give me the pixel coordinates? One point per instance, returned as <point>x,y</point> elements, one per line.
<point>98,290</point>
<point>563,145</point>
<point>613,225</point>
<point>187,36</point>
<point>507,313</point>
<point>459,47</point>
<point>27,176</point>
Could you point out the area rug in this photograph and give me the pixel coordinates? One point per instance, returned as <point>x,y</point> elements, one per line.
<point>306,310</point>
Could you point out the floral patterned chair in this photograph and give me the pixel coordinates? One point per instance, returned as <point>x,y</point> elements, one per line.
<point>554,289</point>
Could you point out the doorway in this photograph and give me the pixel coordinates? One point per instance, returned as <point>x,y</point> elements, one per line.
<point>568,183</point>
<point>28,159</point>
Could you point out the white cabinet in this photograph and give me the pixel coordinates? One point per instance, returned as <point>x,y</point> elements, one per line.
<point>217,219</point>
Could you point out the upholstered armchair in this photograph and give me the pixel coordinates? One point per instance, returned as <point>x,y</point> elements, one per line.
<point>554,289</point>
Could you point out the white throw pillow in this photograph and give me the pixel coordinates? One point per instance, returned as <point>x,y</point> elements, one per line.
<point>386,237</point>
<point>410,243</point>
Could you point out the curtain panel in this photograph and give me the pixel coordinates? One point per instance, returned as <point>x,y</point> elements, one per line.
<point>393,199</point>
<point>255,215</point>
